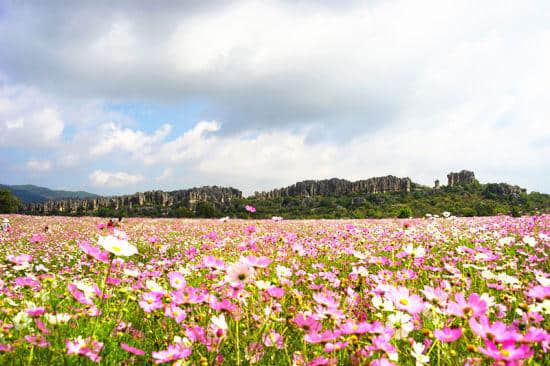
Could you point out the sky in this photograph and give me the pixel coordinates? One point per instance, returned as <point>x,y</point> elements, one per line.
<point>118,97</point>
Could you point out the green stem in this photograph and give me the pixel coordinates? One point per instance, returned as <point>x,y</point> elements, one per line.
<point>29,361</point>
<point>237,343</point>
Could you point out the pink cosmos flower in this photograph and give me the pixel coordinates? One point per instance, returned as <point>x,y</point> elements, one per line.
<point>173,353</point>
<point>86,347</point>
<point>307,323</point>
<point>506,351</point>
<point>133,350</point>
<point>240,272</point>
<point>151,301</point>
<point>257,262</point>
<point>382,362</point>
<point>334,347</point>
<point>20,259</point>
<point>475,306</point>
<point>539,292</point>
<point>402,300</point>
<point>37,340</point>
<point>41,326</point>
<point>177,280</point>
<point>173,311</point>
<point>250,208</point>
<point>274,339</point>
<point>276,292</point>
<point>447,334</point>
<point>351,327</point>
<point>498,331</point>
<point>37,238</point>
<point>6,347</point>
<point>26,282</point>
<point>94,252</point>
<point>213,262</point>
<point>37,311</point>
<point>79,295</point>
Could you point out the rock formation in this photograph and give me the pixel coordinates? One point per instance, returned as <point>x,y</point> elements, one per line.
<point>503,189</point>
<point>462,178</point>
<point>309,188</point>
<point>218,196</point>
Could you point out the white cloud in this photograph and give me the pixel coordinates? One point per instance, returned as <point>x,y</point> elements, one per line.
<point>289,90</point>
<point>114,179</point>
<point>35,165</point>
<point>28,119</point>
<point>114,138</point>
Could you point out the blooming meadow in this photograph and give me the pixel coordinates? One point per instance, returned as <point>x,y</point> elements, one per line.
<point>433,291</point>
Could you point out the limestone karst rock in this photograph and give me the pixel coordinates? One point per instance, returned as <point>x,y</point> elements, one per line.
<point>462,178</point>
<point>309,188</point>
<point>218,196</point>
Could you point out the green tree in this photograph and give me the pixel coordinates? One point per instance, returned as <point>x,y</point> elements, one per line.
<point>405,212</point>
<point>8,202</point>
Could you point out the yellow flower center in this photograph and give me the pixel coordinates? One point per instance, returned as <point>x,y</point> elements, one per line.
<point>404,302</point>
<point>149,301</point>
<point>354,327</point>
<point>115,249</point>
<point>505,352</point>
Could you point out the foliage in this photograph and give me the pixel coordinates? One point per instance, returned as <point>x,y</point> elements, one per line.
<point>8,202</point>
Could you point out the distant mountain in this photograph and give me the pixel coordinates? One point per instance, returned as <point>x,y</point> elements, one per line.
<point>33,194</point>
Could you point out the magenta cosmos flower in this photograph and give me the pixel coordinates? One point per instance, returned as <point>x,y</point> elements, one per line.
<point>507,351</point>
<point>250,208</point>
<point>447,334</point>
<point>133,350</point>
<point>475,306</point>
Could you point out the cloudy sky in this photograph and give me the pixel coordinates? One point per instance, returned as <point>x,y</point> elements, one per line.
<point>259,94</point>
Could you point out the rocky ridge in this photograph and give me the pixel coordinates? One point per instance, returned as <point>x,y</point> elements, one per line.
<point>218,196</point>
<point>309,188</point>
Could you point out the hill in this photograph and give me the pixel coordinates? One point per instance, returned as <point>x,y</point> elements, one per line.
<point>377,197</point>
<point>29,193</point>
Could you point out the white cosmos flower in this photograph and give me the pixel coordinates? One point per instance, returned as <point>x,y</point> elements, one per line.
<point>416,352</point>
<point>402,323</point>
<point>57,318</point>
<point>417,252</point>
<point>22,320</point>
<point>117,245</point>
<point>153,286</point>
<point>545,281</point>
<point>263,285</point>
<point>529,240</point>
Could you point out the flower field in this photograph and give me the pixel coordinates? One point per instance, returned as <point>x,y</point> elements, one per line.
<point>434,291</point>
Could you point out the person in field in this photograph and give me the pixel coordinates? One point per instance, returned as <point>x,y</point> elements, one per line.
<point>6,225</point>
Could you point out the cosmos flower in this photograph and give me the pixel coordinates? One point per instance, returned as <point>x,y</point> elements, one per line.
<point>177,280</point>
<point>475,306</point>
<point>447,334</point>
<point>507,351</point>
<point>86,347</point>
<point>118,245</point>
<point>133,350</point>
<point>250,208</point>
<point>173,353</point>
<point>150,301</point>
<point>403,300</point>
<point>417,353</point>
<point>240,272</point>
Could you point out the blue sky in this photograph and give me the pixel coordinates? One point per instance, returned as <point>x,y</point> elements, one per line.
<point>133,96</point>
